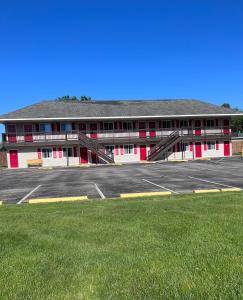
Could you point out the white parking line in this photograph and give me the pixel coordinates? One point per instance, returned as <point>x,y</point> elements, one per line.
<point>161,186</point>
<point>212,182</point>
<point>99,191</point>
<point>26,196</point>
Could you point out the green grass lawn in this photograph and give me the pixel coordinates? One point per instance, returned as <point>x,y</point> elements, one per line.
<point>186,247</point>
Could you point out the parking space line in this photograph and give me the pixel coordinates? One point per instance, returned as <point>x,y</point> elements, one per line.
<point>212,182</point>
<point>155,184</point>
<point>99,191</point>
<point>30,193</point>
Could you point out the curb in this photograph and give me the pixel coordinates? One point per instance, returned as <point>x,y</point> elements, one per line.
<point>60,199</point>
<point>148,194</point>
<point>206,191</point>
<point>231,190</point>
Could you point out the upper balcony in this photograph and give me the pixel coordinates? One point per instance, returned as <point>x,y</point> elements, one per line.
<point>114,136</point>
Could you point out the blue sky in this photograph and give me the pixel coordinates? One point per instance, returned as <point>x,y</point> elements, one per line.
<point>129,49</point>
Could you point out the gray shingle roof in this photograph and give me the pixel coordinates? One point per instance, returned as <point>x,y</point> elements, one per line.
<point>116,109</point>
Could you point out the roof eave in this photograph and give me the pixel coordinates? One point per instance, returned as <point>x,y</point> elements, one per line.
<point>120,117</point>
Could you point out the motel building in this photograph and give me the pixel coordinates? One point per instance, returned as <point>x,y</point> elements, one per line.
<point>58,133</point>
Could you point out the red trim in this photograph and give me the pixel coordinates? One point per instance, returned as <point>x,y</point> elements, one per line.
<point>12,138</point>
<point>217,145</point>
<point>205,146</point>
<point>93,135</point>
<point>226,131</point>
<point>152,133</point>
<point>142,134</point>
<point>117,150</point>
<point>191,147</point>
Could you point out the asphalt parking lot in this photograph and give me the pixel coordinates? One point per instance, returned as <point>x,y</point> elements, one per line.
<point>17,186</point>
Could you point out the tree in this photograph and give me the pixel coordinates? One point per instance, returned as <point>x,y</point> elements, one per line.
<point>74,98</point>
<point>85,99</point>
<point>237,122</point>
<point>68,98</point>
<point>226,105</point>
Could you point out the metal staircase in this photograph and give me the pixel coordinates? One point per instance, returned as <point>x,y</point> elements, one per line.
<point>160,149</point>
<point>95,147</point>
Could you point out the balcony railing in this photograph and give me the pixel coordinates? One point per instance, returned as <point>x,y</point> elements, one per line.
<point>151,134</point>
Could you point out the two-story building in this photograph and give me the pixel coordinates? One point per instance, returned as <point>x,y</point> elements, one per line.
<point>59,133</point>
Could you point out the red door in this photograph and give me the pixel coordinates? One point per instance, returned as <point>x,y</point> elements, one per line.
<point>83,155</point>
<point>28,133</point>
<point>226,148</point>
<point>14,160</point>
<point>152,130</point>
<point>11,133</point>
<point>198,149</point>
<point>142,130</point>
<point>143,152</point>
<point>94,158</point>
<point>93,130</point>
<point>198,129</point>
<point>226,127</point>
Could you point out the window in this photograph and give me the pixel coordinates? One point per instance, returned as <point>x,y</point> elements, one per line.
<point>152,125</point>
<point>110,150</point>
<point>128,149</point>
<point>11,128</point>
<point>45,127</point>
<point>47,153</point>
<point>210,123</point>
<point>65,127</point>
<point>167,124</point>
<point>211,145</point>
<point>108,126</point>
<point>183,123</point>
<point>186,147</point>
<point>67,152</point>
<point>127,126</point>
<point>226,122</point>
